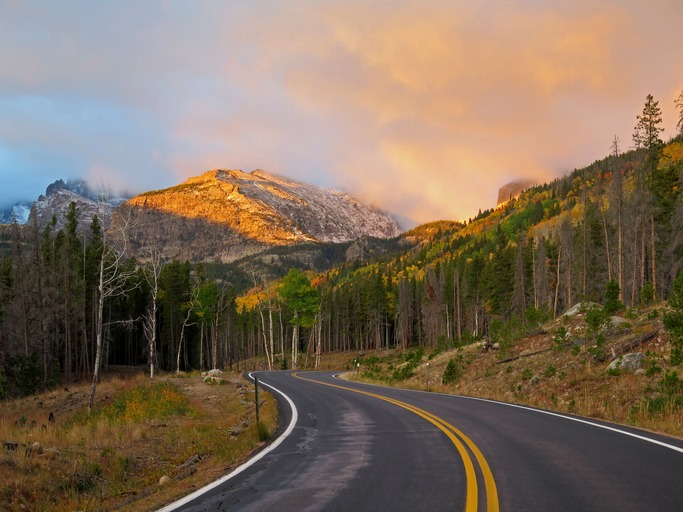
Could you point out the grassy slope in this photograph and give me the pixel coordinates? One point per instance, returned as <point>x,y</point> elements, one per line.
<point>565,379</point>
<point>190,431</point>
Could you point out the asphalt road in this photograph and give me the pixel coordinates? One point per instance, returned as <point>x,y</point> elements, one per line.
<point>346,446</point>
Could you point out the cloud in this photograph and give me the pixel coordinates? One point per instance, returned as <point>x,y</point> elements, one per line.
<point>422,108</point>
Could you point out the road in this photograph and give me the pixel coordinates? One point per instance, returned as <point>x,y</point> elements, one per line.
<point>355,447</point>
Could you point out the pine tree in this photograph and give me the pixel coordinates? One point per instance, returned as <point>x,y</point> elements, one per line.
<point>646,137</point>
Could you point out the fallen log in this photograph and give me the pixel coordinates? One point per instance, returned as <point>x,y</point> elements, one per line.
<point>636,342</point>
<point>509,359</point>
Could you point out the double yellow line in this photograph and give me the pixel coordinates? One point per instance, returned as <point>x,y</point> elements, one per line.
<point>457,438</point>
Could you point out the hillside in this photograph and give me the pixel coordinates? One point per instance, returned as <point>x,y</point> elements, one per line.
<point>608,233</point>
<point>224,215</point>
<point>562,366</point>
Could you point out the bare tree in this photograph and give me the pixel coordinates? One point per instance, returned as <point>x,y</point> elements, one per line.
<point>191,304</point>
<point>152,273</point>
<point>259,283</point>
<point>115,275</point>
<point>679,105</point>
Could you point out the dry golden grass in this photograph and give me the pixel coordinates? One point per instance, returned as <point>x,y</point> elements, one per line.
<point>110,462</point>
<point>560,380</point>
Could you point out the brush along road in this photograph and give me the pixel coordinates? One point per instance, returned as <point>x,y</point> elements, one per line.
<point>350,446</point>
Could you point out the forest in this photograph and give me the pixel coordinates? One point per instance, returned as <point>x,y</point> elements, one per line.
<point>72,303</point>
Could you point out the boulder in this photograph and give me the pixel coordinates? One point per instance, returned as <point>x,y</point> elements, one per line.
<point>628,362</point>
<point>580,307</point>
<point>615,325</point>
<point>215,373</point>
<point>164,480</point>
<point>213,380</point>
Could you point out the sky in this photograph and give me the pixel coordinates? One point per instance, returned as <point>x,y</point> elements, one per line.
<point>423,108</point>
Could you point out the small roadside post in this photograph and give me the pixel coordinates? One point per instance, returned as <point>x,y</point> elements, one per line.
<point>256,397</point>
<point>427,374</point>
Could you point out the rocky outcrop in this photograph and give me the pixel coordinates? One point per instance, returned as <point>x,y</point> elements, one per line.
<point>512,190</point>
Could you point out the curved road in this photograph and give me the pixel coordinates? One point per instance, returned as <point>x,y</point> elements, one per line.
<point>355,447</point>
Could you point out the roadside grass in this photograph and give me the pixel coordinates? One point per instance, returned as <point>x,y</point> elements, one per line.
<point>139,431</point>
<point>570,377</point>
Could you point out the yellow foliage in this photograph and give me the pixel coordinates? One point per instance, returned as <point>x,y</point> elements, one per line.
<point>671,155</point>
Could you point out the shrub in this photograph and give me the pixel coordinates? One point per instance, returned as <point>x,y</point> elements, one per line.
<point>647,295</point>
<point>21,375</point>
<point>414,356</point>
<point>668,399</point>
<point>452,372</point>
<point>673,320</point>
<point>535,316</point>
<point>612,302</point>
<point>598,350</point>
<point>402,373</point>
<point>676,352</point>
<point>561,337</point>
<point>595,318</point>
<point>2,383</point>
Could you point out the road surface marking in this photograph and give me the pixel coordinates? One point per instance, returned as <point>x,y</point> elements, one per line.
<point>295,417</point>
<point>453,433</point>
<point>541,411</point>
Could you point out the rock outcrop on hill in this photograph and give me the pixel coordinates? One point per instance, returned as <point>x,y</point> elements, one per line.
<point>512,190</point>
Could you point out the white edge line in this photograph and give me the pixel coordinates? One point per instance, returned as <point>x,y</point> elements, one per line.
<point>295,416</point>
<point>540,411</point>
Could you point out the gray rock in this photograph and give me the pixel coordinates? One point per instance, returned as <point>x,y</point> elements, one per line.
<point>615,325</point>
<point>164,480</point>
<point>580,307</point>
<point>628,362</point>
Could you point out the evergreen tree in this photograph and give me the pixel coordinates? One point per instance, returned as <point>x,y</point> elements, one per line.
<point>612,294</point>
<point>646,136</point>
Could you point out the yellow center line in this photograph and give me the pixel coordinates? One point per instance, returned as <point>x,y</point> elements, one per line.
<point>471,499</point>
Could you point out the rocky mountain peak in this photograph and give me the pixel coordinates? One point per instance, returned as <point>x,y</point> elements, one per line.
<point>255,210</point>
<point>58,196</point>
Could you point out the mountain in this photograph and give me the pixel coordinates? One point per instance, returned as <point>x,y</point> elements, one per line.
<point>19,211</point>
<point>224,215</point>
<point>58,196</point>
